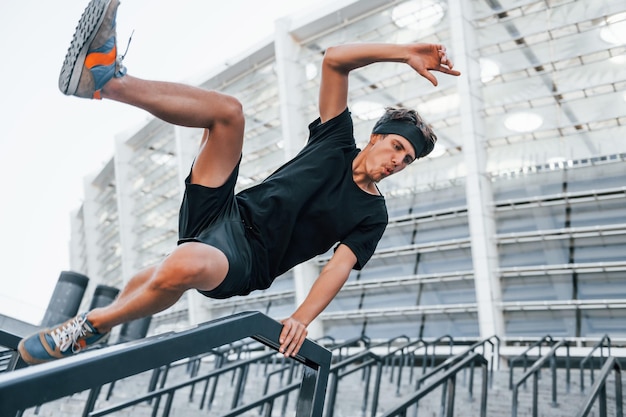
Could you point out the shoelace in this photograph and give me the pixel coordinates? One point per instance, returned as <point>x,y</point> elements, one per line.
<point>120,58</point>
<point>67,336</point>
<point>130,38</point>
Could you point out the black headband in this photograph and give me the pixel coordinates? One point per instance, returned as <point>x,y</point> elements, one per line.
<point>407,130</point>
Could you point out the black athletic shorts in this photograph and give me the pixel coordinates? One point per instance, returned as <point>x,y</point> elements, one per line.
<point>211,216</point>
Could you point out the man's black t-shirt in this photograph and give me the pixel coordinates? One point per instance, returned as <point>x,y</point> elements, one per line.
<point>311,203</point>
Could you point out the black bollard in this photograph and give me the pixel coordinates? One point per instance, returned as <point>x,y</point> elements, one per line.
<point>66,298</point>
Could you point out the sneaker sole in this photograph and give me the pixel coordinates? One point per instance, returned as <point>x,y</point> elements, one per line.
<point>86,30</point>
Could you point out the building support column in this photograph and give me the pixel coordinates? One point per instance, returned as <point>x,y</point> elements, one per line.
<point>123,169</point>
<point>479,194</point>
<point>291,75</point>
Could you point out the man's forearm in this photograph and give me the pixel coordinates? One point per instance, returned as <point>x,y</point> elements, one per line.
<point>345,58</point>
<point>321,294</point>
<point>325,288</point>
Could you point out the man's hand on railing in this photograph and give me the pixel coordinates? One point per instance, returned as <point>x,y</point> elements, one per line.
<point>292,336</point>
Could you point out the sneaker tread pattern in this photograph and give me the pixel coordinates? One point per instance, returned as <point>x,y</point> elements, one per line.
<point>85,32</point>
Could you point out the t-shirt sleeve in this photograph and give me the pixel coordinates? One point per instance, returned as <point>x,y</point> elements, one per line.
<point>338,130</point>
<point>363,242</point>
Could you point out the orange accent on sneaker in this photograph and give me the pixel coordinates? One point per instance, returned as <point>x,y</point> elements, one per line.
<point>101,58</point>
<point>97,95</point>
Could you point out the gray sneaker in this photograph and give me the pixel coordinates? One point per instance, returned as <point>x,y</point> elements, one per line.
<point>60,341</point>
<point>91,59</point>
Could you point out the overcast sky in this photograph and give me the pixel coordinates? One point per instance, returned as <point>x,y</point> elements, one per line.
<point>49,142</point>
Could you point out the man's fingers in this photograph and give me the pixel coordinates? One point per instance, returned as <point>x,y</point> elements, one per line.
<point>296,343</point>
<point>444,59</point>
<point>449,71</point>
<point>284,338</point>
<point>284,332</point>
<point>293,344</point>
<point>445,63</point>
<point>430,77</point>
<point>291,337</point>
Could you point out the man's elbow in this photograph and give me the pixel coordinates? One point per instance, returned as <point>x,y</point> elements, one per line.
<point>332,59</point>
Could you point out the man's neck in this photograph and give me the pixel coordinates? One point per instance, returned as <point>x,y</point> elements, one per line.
<point>360,176</point>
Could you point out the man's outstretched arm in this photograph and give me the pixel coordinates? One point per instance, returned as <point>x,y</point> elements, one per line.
<point>325,288</point>
<point>340,60</point>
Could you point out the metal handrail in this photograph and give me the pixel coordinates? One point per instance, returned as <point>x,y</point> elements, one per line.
<point>449,379</point>
<point>493,358</point>
<point>155,393</point>
<point>366,359</point>
<point>387,359</point>
<point>524,356</point>
<point>434,344</point>
<point>168,392</point>
<point>589,358</point>
<point>12,331</point>
<point>268,400</point>
<point>390,342</point>
<point>402,355</point>
<point>24,388</point>
<point>534,371</point>
<point>338,348</point>
<point>265,400</point>
<point>599,389</point>
<point>448,362</point>
<point>495,352</point>
<point>451,361</point>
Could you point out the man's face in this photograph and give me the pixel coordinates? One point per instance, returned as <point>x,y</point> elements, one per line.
<point>389,154</point>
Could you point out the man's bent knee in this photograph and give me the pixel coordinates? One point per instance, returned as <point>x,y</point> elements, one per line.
<point>192,265</point>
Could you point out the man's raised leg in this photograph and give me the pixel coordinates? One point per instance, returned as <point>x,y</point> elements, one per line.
<point>91,70</point>
<point>221,115</point>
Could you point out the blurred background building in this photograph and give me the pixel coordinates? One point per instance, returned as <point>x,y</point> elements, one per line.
<point>514,226</point>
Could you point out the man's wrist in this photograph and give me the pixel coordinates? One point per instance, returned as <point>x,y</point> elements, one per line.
<point>295,316</point>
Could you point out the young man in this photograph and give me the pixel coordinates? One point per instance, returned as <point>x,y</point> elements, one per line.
<point>233,244</point>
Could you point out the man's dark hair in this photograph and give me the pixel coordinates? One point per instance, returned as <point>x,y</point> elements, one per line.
<point>410,116</point>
